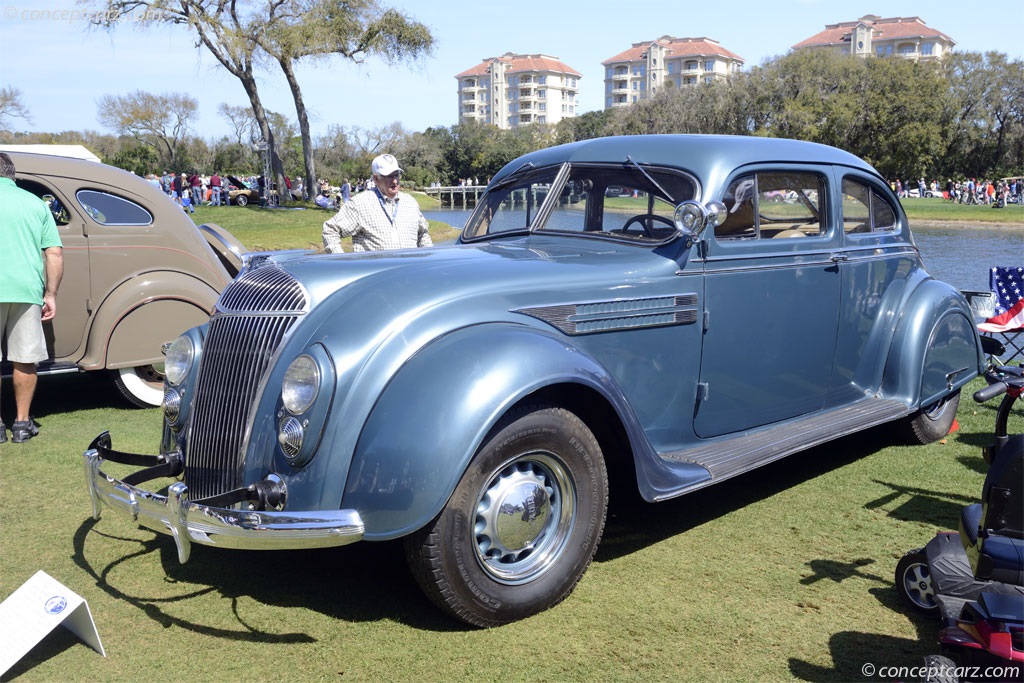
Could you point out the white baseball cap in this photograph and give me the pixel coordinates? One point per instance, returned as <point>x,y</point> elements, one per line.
<point>385,164</point>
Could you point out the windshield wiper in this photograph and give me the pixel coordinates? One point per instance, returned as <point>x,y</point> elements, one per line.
<point>647,175</point>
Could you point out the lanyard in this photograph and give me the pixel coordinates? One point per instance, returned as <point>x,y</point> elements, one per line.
<point>394,212</point>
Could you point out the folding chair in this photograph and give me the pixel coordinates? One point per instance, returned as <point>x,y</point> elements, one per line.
<point>1002,309</point>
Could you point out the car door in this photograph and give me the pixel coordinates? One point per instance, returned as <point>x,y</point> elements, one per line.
<point>881,259</point>
<point>772,296</point>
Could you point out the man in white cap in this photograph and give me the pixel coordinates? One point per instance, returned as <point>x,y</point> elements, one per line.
<point>379,218</point>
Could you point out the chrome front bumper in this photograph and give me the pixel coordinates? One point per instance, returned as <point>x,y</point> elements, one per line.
<point>191,522</point>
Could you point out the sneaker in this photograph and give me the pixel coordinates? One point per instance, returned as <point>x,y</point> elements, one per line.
<point>23,431</point>
<point>3,433</point>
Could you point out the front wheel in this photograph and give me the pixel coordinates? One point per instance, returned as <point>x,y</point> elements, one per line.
<point>522,525</point>
<point>142,386</point>
<point>241,200</point>
<point>914,582</point>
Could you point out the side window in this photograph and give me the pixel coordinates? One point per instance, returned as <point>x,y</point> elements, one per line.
<point>57,208</point>
<point>773,205</point>
<point>865,210</point>
<point>108,209</point>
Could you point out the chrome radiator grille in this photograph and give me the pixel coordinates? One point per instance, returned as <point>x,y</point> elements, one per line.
<point>254,314</point>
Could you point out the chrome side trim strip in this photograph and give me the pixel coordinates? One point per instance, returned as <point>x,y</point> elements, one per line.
<point>624,314</point>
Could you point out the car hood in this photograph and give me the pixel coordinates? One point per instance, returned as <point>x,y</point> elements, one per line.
<point>240,184</point>
<point>514,269</point>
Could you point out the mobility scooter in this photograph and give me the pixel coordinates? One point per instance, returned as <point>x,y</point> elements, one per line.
<point>974,579</point>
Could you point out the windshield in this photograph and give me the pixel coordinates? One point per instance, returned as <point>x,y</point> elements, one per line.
<point>621,201</point>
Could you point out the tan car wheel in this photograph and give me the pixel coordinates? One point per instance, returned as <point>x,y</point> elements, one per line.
<point>142,386</point>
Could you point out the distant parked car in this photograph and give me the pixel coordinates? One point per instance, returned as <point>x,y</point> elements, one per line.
<point>240,193</point>
<point>477,400</point>
<point>137,271</point>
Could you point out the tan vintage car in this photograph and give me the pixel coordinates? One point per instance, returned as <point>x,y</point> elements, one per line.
<point>137,271</point>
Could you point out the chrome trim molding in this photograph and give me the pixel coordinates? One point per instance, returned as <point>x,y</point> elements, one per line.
<point>624,314</point>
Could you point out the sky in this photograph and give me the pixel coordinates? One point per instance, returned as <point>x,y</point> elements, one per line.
<point>62,66</point>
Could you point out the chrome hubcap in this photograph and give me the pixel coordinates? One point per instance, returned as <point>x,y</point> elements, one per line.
<point>524,516</point>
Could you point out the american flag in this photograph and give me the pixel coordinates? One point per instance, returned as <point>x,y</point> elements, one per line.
<point>1008,286</point>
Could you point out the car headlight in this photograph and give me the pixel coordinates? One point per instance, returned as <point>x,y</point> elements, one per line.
<point>301,385</point>
<point>178,362</point>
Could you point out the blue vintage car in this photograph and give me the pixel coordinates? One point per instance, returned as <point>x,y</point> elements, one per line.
<point>675,310</point>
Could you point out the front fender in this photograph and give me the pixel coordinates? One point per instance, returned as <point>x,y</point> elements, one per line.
<point>936,348</point>
<point>437,410</point>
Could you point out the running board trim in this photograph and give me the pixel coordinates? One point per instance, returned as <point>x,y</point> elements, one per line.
<point>726,458</point>
<point>45,367</point>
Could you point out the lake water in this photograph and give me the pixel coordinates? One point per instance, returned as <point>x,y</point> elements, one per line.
<point>958,254</point>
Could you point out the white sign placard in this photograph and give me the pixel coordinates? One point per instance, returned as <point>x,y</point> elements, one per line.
<point>39,606</point>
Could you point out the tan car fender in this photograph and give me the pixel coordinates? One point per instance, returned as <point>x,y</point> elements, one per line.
<point>141,314</point>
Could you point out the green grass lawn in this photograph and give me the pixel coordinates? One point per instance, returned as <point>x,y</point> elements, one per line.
<point>782,574</point>
<point>934,209</point>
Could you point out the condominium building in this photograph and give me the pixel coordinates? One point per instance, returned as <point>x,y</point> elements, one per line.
<point>640,71</point>
<point>515,90</point>
<point>907,37</point>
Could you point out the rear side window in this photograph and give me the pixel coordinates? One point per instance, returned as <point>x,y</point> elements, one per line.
<point>773,205</point>
<point>108,209</point>
<point>865,209</point>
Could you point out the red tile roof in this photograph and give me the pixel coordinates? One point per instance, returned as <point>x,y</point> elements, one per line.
<point>893,28</point>
<point>521,63</point>
<point>675,48</point>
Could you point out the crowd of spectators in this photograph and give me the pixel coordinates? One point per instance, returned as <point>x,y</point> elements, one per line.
<point>966,191</point>
<point>189,190</point>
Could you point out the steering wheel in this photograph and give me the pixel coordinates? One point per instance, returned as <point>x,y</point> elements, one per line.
<point>645,219</point>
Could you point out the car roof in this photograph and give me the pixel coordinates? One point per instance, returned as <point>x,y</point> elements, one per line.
<point>709,157</point>
<point>52,164</point>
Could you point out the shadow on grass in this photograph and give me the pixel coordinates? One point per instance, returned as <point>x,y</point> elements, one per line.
<point>860,656</point>
<point>68,393</point>
<point>633,524</point>
<point>363,582</point>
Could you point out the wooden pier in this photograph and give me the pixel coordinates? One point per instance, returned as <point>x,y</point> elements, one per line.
<point>453,196</point>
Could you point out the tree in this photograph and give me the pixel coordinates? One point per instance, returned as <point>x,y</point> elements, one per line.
<point>158,121</point>
<point>244,125</point>
<point>139,159</point>
<point>11,106</point>
<point>222,30</point>
<point>319,29</point>
<point>239,35</point>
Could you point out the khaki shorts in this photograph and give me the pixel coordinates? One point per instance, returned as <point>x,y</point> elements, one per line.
<point>21,326</point>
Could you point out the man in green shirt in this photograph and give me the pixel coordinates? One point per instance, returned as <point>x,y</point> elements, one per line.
<point>33,260</point>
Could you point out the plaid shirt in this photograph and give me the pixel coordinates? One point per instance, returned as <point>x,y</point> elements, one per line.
<point>375,222</point>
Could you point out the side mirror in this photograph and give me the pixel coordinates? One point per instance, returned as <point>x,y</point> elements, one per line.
<point>692,218</point>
